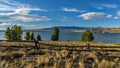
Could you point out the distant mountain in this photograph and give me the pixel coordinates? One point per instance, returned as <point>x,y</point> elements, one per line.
<point>65,28</point>
<point>72,28</point>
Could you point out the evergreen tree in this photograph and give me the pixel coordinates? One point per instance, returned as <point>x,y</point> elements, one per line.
<point>38,37</point>
<point>55,35</point>
<point>19,32</point>
<point>8,34</point>
<point>32,36</point>
<point>87,36</point>
<point>15,33</point>
<point>27,36</point>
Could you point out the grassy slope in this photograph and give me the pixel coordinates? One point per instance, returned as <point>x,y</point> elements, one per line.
<point>30,58</point>
<point>62,43</point>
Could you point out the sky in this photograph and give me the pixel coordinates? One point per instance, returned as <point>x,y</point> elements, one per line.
<point>37,14</point>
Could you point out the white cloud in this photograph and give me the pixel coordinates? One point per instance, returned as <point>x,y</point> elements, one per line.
<point>109,5</point>
<point>94,15</point>
<point>72,10</point>
<point>21,17</point>
<point>4,25</point>
<point>108,16</point>
<point>105,5</point>
<point>118,15</point>
<point>10,5</point>
<point>15,11</point>
<point>102,6</point>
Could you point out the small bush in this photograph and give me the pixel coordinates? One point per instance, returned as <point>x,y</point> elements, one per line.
<point>38,37</point>
<point>87,36</point>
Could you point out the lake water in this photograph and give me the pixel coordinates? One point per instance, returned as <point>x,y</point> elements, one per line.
<point>76,36</point>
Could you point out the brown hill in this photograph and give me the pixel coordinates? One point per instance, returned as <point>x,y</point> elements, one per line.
<point>107,30</point>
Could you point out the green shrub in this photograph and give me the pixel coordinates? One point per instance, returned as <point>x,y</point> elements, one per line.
<point>38,37</point>
<point>87,36</point>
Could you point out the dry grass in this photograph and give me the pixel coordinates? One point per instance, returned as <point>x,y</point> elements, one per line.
<point>44,58</point>
<point>60,43</point>
<point>77,43</point>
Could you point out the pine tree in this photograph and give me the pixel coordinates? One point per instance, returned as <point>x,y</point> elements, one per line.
<point>32,36</point>
<point>8,34</point>
<point>38,37</point>
<point>55,36</point>
<point>19,32</point>
<point>27,36</point>
<point>14,33</point>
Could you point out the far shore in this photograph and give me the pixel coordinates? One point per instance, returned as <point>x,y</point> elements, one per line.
<point>80,31</point>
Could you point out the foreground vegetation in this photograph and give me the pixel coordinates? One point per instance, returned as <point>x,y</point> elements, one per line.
<point>56,54</point>
<point>24,55</point>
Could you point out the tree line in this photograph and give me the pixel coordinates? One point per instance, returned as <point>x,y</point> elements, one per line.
<point>15,34</point>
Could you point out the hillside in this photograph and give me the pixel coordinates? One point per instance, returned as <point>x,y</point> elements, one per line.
<point>69,28</point>
<point>107,30</point>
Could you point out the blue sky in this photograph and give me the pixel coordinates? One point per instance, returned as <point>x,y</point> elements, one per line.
<point>35,14</point>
